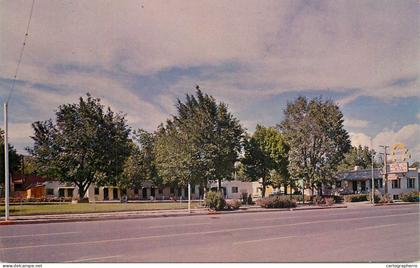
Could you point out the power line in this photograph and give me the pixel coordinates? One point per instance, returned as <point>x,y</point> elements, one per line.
<point>21,52</point>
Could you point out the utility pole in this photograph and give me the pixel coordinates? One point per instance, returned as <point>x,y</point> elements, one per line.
<point>373,179</point>
<point>6,166</point>
<point>385,167</point>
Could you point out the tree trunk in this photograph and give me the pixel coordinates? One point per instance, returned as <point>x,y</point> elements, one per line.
<point>219,185</point>
<point>263,188</point>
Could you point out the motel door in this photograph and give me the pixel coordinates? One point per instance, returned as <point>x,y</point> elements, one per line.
<point>106,194</point>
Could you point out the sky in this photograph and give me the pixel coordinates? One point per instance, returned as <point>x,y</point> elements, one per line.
<point>256,56</point>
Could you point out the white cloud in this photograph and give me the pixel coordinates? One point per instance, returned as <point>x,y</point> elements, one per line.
<point>353,47</point>
<point>407,135</point>
<point>355,123</point>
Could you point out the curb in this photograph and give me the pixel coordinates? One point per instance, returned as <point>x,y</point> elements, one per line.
<point>127,217</point>
<point>312,208</point>
<point>395,204</point>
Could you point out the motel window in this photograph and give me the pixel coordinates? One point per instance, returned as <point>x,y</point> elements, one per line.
<point>395,197</point>
<point>50,191</point>
<point>160,191</point>
<point>378,183</point>
<point>136,191</point>
<point>410,182</point>
<point>172,190</point>
<point>234,190</point>
<point>192,188</point>
<point>396,184</point>
<point>96,190</point>
<point>61,192</point>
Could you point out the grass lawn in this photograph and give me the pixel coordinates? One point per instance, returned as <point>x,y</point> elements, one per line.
<point>18,210</point>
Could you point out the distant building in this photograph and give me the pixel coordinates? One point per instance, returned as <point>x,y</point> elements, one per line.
<point>232,189</point>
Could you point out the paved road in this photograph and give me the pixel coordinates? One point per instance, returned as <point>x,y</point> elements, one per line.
<point>359,234</point>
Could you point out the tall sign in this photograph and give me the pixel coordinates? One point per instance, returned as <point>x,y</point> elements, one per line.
<point>398,166</point>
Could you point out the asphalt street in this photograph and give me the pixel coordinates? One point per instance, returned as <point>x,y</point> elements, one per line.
<point>359,234</point>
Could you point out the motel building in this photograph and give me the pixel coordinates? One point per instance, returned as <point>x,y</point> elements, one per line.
<point>359,181</point>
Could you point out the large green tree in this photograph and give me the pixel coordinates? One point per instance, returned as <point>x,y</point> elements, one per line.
<point>317,139</point>
<point>200,143</point>
<point>86,144</point>
<point>266,157</point>
<point>15,159</point>
<point>358,156</point>
<point>140,165</point>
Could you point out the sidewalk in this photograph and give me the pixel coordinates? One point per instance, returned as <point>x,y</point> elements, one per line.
<point>32,219</point>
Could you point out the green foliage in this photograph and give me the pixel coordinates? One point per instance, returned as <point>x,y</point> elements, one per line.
<point>376,197</point>
<point>140,165</point>
<point>415,164</point>
<point>356,198</point>
<point>14,158</point>
<point>385,199</point>
<point>358,156</point>
<point>86,144</point>
<point>318,200</point>
<point>410,197</point>
<point>215,201</point>
<point>276,202</point>
<point>266,157</point>
<point>318,141</point>
<point>200,143</point>
<point>233,204</point>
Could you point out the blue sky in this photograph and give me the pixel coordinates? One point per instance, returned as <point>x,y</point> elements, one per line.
<point>139,56</point>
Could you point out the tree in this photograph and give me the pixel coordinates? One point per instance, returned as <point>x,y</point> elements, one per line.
<point>14,158</point>
<point>140,165</point>
<point>200,143</point>
<point>86,144</point>
<point>415,164</point>
<point>318,141</point>
<point>266,156</point>
<point>358,156</point>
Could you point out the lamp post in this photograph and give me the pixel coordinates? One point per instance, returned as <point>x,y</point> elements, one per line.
<point>373,179</point>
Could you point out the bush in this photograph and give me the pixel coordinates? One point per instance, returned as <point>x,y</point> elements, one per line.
<point>233,204</point>
<point>317,200</point>
<point>338,199</point>
<point>329,201</point>
<point>214,200</point>
<point>355,198</point>
<point>410,197</point>
<point>276,202</point>
<point>385,199</point>
<point>376,197</point>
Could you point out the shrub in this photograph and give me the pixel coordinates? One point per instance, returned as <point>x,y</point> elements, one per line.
<point>385,199</point>
<point>410,197</point>
<point>214,200</point>
<point>338,199</point>
<point>318,200</point>
<point>355,198</point>
<point>376,197</point>
<point>329,201</point>
<point>276,202</point>
<point>233,204</point>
